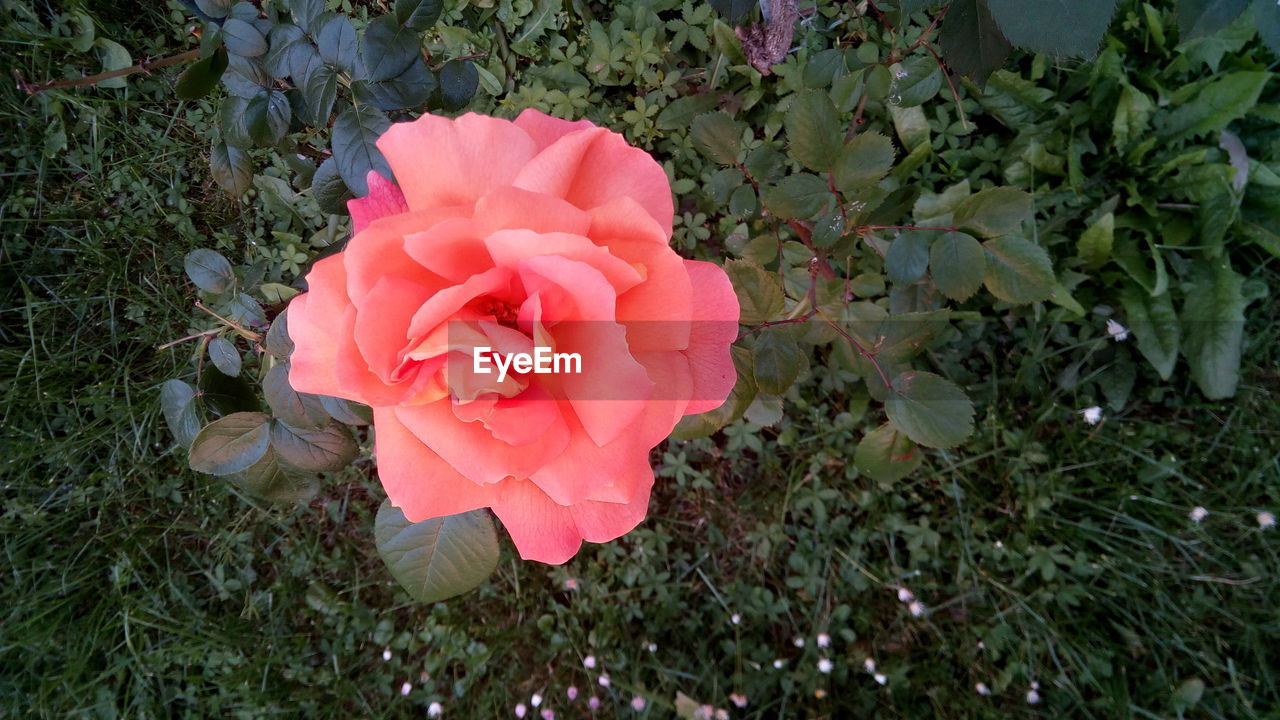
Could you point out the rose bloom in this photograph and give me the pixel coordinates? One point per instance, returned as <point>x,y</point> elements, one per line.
<point>512,235</point>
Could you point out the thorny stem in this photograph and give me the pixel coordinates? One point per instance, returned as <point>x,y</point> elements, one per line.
<point>144,66</point>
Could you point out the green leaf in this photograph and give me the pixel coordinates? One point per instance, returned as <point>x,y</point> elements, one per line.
<point>305,11</point>
<point>1058,27</point>
<point>1128,256</point>
<point>215,8</point>
<point>245,77</point>
<point>863,162</point>
<point>329,447</point>
<point>389,48</point>
<point>114,56</point>
<point>336,40</point>
<point>1197,18</point>
<point>680,113</point>
<point>972,43</point>
<point>302,410</point>
<point>83,31</point>
<point>178,403</point>
<point>827,230</point>
<point>1213,326</point>
<point>438,558</point>
<point>418,15</point>
<point>886,454</point>
<point>225,395</point>
<point>733,11</point>
<point>281,42</point>
<point>717,136</point>
<point>1266,16</point>
<point>1018,270</point>
<point>778,362</point>
<point>209,270</point>
<point>319,85</point>
<point>958,264</point>
<point>760,295</point>
<point>270,480</point>
<point>245,310</point>
<point>345,411</point>
<point>230,444</point>
<point>458,82</point>
<point>224,355</point>
<point>908,258</point>
<point>994,211</point>
<point>916,80</point>
<point>409,90</point>
<point>799,196</point>
<point>277,341</point>
<point>242,38</point>
<point>202,76</point>
<point>1094,246</point>
<point>1215,104</point>
<point>260,121</point>
<point>1188,694</point>
<point>329,190</point>
<point>355,133</point>
<point>930,409</point>
<point>231,169</point>
<point>813,130</point>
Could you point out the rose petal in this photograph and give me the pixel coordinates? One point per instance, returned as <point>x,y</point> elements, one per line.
<point>521,420</point>
<point>655,311</point>
<point>612,388</point>
<point>570,289</point>
<point>545,129</point>
<point>417,480</point>
<point>452,249</point>
<point>315,335</point>
<point>513,208</point>
<point>384,198</point>
<point>473,451</point>
<point>379,251</point>
<point>382,323</point>
<point>509,248</point>
<point>714,329</point>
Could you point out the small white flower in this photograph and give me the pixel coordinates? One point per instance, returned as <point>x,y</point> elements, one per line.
<point>435,709</point>
<point>653,647</point>
<point>777,664</point>
<point>1197,514</point>
<point>825,665</point>
<point>1117,331</point>
<point>798,642</point>
<point>604,681</point>
<point>589,662</point>
<point>738,699</point>
<point>824,640</point>
<point>869,664</point>
<point>521,710</point>
<point>536,700</point>
<point>704,712</point>
<point>1035,685</point>
<point>1266,520</point>
<point>1092,415</point>
<point>572,693</point>
<point>593,702</point>
<point>406,688</point>
<point>548,714</point>
<point>721,714</point>
<point>735,618</point>
<point>916,608</point>
<point>637,703</point>
<point>571,584</point>
<point>900,73</point>
<point>982,645</point>
<point>905,595</point>
<point>386,655</point>
<point>982,689</point>
<point>999,544</point>
<point>1033,697</point>
<point>880,678</point>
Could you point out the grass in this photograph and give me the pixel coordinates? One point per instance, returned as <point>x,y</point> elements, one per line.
<point>1046,551</point>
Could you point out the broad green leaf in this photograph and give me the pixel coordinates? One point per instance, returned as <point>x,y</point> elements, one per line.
<point>336,40</point>
<point>1133,116</point>
<point>224,355</point>
<point>717,136</point>
<point>231,168</point>
<point>346,411</point>
<point>779,360</point>
<point>827,230</point>
<point>225,395</point>
<point>1151,275</point>
<point>319,86</point>
<point>1018,270</point>
<point>230,444</point>
<point>209,270</point>
<point>864,161</point>
<point>733,11</point>
<point>814,136</point>
<point>1216,103</point>
<point>389,48</point>
<point>114,56</point>
<point>911,125</point>
<point>765,410</point>
<point>1197,18</point>
<point>1188,694</point>
<point>1117,379</point>
<point>354,135</point>
<point>301,410</point>
<point>760,295</point>
<point>215,8</point>
<point>178,402</point>
<point>409,90</point>
<point>270,480</point>
<point>916,80</point>
<point>1094,246</point>
<point>330,447</point>
<point>1266,15</point>
<point>930,409</point>
<point>329,190</point>
<point>800,196</point>
<point>458,82</point>
<point>242,38</point>
<point>260,121</point>
<point>1058,27</point>
<point>246,311</point>
<point>971,41</point>
<point>901,336</point>
<point>679,113</point>
<point>437,558</point>
<point>1213,327</point>
<point>277,342</point>
<point>958,264</point>
<point>280,44</point>
<point>83,31</point>
<point>995,211</point>
<point>202,76</point>
<point>305,11</point>
<point>908,258</point>
<point>886,454</point>
<point>418,15</point>
<point>246,78</point>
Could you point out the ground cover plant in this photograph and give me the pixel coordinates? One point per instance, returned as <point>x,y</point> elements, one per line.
<point>801,558</point>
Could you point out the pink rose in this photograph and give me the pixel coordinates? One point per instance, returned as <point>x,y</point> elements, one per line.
<point>513,236</point>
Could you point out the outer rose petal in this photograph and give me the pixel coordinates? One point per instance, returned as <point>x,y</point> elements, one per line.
<point>379,251</point>
<point>546,129</point>
<point>384,198</point>
<point>713,330</point>
<point>439,161</point>
<point>472,450</point>
<point>324,359</point>
<point>416,480</point>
